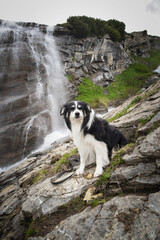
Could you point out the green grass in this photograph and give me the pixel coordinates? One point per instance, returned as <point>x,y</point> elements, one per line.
<point>154,127</point>
<point>152,62</point>
<point>143,121</point>
<point>129,82</point>
<point>30,230</point>
<point>75,204</point>
<point>96,202</point>
<point>64,160</point>
<point>105,177</point>
<point>39,176</point>
<point>91,93</point>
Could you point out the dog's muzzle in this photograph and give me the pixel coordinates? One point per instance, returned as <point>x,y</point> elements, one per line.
<point>77,115</point>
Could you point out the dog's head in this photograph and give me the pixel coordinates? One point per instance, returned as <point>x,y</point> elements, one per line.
<point>76,111</point>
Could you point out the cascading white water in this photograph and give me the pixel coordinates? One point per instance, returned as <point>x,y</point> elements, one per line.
<point>57,89</point>
<point>57,83</point>
<point>34,56</point>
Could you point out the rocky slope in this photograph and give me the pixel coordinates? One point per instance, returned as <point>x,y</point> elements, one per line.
<point>130,204</point>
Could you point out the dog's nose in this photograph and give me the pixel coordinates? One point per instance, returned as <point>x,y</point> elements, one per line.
<point>77,114</point>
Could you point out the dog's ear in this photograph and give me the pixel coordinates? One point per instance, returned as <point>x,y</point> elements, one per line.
<point>89,107</point>
<point>62,110</point>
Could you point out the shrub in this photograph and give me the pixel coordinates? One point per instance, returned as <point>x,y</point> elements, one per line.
<point>119,26</point>
<point>83,26</point>
<point>81,30</point>
<point>114,34</point>
<point>141,68</point>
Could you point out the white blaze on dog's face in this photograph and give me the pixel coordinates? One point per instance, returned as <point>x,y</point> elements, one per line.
<point>76,112</point>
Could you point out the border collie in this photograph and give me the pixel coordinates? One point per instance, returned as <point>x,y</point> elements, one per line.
<point>93,136</point>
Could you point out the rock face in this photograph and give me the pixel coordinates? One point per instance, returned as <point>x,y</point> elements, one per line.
<point>27,63</point>
<point>98,58</point>
<point>139,43</point>
<point>130,208</point>
<point>120,218</point>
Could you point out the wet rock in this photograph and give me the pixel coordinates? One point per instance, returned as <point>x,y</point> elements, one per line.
<point>11,202</point>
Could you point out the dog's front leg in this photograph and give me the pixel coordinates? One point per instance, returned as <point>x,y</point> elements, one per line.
<point>83,159</point>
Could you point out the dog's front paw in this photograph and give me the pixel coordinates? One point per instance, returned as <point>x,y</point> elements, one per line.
<point>79,171</point>
<point>98,172</point>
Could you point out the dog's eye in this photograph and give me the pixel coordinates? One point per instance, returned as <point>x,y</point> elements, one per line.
<point>72,108</point>
<point>79,107</point>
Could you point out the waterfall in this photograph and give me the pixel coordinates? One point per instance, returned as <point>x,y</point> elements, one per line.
<point>57,83</point>
<point>33,87</point>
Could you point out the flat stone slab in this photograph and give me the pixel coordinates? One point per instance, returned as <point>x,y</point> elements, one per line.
<point>121,218</point>
<point>45,198</point>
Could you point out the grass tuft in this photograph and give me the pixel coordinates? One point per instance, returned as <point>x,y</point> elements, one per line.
<point>116,161</point>
<point>39,176</point>
<point>125,110</point>
<point>64,160</point>
<point>95,202</point>
<point>30,230</point>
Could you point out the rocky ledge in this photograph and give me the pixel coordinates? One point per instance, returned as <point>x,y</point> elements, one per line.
<point>128,206</point>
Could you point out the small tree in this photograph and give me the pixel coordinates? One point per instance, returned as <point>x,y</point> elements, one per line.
<point>119,26</point>
<point>80,28</point>
<point>83,26</point>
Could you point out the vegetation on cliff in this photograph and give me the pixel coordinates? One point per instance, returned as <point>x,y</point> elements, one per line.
<point>130,81</point>
<point>91,93</point>
<point>82,27</point>
<point>127,84</point>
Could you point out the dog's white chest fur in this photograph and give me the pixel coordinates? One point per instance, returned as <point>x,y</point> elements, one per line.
<point>89,148</point>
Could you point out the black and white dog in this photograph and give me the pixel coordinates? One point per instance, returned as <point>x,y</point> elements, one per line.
<point>93,136</point>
